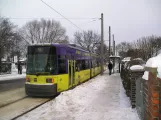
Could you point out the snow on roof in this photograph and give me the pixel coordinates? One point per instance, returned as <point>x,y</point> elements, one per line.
<point>126,59</point>
<point>115,56</point>
<point>23,59</point>
<point>3,59</point>
<point>136,67</point>
<point>138,59</point>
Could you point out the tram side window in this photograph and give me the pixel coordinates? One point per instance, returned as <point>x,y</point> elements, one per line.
<point>87,64</point>
<point>83,65</point>
<point>93,64</point>
<point>62,66</point>
<point>97,64</point>
<point>78,65</point>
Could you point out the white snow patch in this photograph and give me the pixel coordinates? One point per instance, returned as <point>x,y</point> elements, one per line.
<point>138,59</point>
<point>124,100</point>
<point>159,72</point>
<point>126,59</point>
<point>136,67</point>
<point>146,75</point>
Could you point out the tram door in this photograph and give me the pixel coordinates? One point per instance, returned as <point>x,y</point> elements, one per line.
<point>71,71</point>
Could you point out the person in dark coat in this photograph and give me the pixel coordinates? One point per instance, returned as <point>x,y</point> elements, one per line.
<point>19,68</point>
<point>110,67</point>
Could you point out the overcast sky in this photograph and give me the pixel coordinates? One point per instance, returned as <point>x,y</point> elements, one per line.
<point>129,19</point>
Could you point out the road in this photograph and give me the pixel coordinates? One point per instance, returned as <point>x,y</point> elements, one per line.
<point>11,84</point>
<point>13,100</point>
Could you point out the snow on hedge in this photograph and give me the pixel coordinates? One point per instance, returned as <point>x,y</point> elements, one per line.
<point>154,62</point>
<point>136,67</point>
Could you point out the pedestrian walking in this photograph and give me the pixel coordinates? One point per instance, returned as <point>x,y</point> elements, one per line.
<point>19,68</point>
<point>110,67</point>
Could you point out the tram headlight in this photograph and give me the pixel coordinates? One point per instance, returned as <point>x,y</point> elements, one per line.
<point>48,80</point>
<point>28,79</point>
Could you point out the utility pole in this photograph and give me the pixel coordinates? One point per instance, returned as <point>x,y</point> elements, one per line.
<point>109,42</point>
<point>113,45</point>
<point>113,53</point>
<point>102,45</point>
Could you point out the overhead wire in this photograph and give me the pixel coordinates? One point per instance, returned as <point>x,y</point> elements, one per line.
<point>61,15</point>
<point>46,18</point>
<point>87,22</point>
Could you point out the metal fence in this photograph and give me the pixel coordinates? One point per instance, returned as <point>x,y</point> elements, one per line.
<point>145,95</point>
<point>139,98</point>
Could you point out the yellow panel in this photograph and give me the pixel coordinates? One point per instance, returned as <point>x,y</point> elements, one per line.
<point>93,72</point>
<point>62,82</point>
<point>84,75</point>
<point>77,78</point>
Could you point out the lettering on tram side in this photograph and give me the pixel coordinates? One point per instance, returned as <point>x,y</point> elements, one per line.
<point>78,52</point>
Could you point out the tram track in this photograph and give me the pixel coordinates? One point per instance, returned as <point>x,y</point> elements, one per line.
<point>18,116</point>
<point>1,106</point>
<point>20,107</point>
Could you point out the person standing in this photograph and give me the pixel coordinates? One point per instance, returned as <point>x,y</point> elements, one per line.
<point>110,67</point>
<point>19,68</point>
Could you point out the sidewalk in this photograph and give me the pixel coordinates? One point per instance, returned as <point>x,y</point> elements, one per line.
<point>101,98</point>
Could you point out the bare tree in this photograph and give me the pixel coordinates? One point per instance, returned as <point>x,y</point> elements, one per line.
<point>87,39</point>
<point>7,37</point>
<point>19,46</point>
<point>122,48</point>
<point>105,50</point>
<point>144,47</point>
<point>44,31</point>
<point>6,34</point>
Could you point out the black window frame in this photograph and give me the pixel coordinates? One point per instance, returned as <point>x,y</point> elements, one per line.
<point>62,69</point>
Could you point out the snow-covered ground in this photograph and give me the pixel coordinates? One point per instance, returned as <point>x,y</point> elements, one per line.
<point>14,74</point>
<point>101,98</point>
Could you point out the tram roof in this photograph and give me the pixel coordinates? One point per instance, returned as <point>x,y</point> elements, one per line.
<point>74,46</point>
<point>61,45</point>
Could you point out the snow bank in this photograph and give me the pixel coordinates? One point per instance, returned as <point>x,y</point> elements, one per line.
<point>136,67</point>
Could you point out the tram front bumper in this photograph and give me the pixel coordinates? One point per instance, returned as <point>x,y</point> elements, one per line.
<point>41,90</point>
